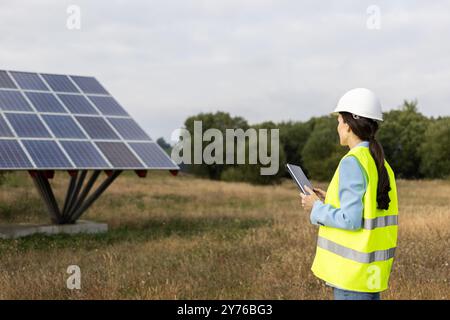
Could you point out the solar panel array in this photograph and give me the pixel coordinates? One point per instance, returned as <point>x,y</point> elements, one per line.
<point>50,122</point>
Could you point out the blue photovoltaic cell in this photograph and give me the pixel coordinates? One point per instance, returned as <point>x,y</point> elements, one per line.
<point>77,104</point>
<point>97,128</point>
<point>13,101</point>
<point>6,81</point>
<point>45,102</point>
<point>64,127</point>
<point>46,154</point>
<point>128,129</point>
<point>152,155</point>
<point>27,125</point>
<point>84,154</point>
<point>119,155</point>
<point>29,81</point>
<point>12,156</point>
<point>4,129</point>
<point>108,106</point>
<point>89,85</point>
<point>60,83</point>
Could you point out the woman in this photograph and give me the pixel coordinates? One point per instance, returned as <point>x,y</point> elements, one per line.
<point>358,213</point>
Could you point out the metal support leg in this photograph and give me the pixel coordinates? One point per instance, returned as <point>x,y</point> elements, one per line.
<point>69,194</point>
<point>77,199</point>
<point>83,195</point>
<point>47,195</point>
<point>94,196</point>
<point>75,194</point>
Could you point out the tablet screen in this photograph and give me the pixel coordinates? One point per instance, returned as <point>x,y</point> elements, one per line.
<point>299,177</point>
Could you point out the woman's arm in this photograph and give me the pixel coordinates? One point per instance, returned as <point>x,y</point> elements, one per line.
<point>352,186</point>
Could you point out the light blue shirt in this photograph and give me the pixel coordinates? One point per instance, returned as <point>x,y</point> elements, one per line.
<point>352,186</point>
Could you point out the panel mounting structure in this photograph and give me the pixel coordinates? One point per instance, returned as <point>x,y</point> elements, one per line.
<point>54,122</point>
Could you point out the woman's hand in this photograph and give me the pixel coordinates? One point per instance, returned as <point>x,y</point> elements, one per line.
<point>308,200</point>
<point>322,194</point>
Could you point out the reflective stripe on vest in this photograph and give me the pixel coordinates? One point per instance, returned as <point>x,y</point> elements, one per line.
<point>380,222</point>
<point>354,255</point>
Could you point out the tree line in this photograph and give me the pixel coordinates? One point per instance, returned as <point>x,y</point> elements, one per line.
<point>415,146</point>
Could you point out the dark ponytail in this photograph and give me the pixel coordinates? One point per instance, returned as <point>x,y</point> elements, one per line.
<point>366,129</point>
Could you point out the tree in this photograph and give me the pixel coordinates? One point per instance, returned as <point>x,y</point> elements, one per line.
<point>252,172</point>
<point>401,134</point>
<point>435,149</point>
<point>221,121</point>
<point>164,145</point>
<point>293,137</point>
<point>322,151</point>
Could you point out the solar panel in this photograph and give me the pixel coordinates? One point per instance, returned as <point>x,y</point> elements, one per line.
<point>28,80</point>
<point>119,155</point>
<point>5,81</point>
<point>13,101</point>
<point>4,129</point>
<point>128,129</point>
<point>27,125</point>
<point>89,85</point>
<point>84,154</point>
<point>64,127</point>
<point>46,154</point>
<point>108,106</point>
<point>77,104</point>
<point>45,102</point>
<point>60,83</point>
<point>13,156</point>
<point>97,128</point>
<point>153,155</point>
<point>50,121</point>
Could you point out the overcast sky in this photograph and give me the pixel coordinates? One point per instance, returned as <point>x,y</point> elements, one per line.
<point>264,60</point>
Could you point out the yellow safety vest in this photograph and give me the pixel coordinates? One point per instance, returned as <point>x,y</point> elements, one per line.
<point>359,260</point>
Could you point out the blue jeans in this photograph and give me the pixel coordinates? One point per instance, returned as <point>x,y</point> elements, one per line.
<point>340,294</point>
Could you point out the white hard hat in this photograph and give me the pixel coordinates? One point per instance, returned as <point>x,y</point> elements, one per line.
<point>362,102</point>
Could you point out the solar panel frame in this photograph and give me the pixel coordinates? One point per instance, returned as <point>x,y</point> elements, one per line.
<point>90,91</point>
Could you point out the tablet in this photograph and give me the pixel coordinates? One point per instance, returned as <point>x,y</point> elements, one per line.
<point>299,177</point>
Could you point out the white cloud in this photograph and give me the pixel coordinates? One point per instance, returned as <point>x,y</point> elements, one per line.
<point>263,60</point>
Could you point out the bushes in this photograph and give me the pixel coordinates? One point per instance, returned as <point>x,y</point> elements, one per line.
<point>435,149</point>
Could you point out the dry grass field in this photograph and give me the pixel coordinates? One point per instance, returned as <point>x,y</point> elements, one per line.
<point>187,238</point>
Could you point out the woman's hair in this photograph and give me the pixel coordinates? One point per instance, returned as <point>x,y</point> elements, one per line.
<point>366,129</point>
